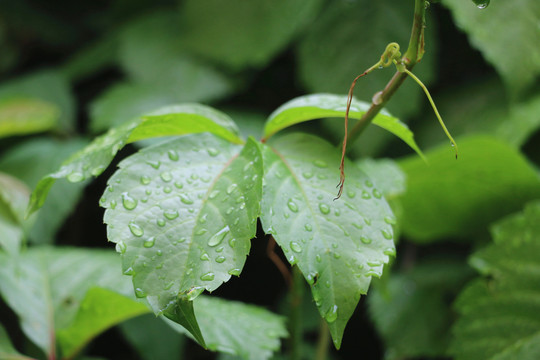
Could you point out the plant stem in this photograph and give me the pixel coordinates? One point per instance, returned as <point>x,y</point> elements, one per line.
<point>412,56</point>
<point>323,342</point>
<point>295,318</point>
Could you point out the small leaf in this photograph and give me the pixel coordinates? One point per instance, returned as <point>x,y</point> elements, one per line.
<point>316,106</point>
<point>21,116</point>
<point>182,214</point>
<point>226,324</point>
<point>172,120</point>
<point>338,245</point>
<point>181,312</point>
<point>45,287</point>
<point>99,310</point>
<point>500,312</point>
<point>450,198</point>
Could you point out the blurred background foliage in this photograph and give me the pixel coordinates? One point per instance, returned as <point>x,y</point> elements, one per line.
<point>71,70</point>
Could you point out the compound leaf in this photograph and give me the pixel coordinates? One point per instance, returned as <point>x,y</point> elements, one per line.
<point>317,106</point>
<point>182,214</point>
<point>172,120</point>
<point>338,245</point>
<point>500,312</point>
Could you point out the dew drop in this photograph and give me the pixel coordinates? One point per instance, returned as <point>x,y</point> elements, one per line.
<point>307,175</point>
<point>231,188</point>
<point>208,276</point>
<point>365,195</point>
<point>220,259</point>
<point>113,204</point>
<point>128,202</point>
<point>318,258</point>
<point>129,271</point>
<point>295,247</point>
<point>173,155</point>
<point>377,98</point>
<point>212,151</point>
<point>154,164</point>
<point>205,257</point>
<point>121,247</point>
<point>377,194</point>
<point>167,189</point>
<point>320,163</point>
<point>213,194</point>
<point>481,4</point>
<point>351,194</point>
<point>292,206</point>
<point>234,272</point>
<point>218,237</point>
<point>200,232</point>
<point>169,285</point>
<point>232,242</point>
<point>337,256</point>
<point>358,226</point>
<point>75,177</point>
<point>390,220</point>
<point>332,314</point>
<point>140,293</point>
<point>194,292</point>
<point>136,229</point>
<point>324,208</point>
<point>165,176</point>
<point>145,180</point>
<point>148,243</point>
<point>178,185</point>
<point>186,199</point>
<point>368,183</point>
<point>386,234</point>
<point>308,227</point>
<point>365,240</point>
<point>390,251</point>
<point>170,214</point>
<point>160,222</point>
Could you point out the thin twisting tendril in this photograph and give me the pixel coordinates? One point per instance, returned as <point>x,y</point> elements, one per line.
<point>391,55</point>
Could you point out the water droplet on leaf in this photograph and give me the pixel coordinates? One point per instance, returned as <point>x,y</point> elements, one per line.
<point>121,247</point>
<point>140,293</point>
<point>220,259</point>
<point>136,229</point>
<point>295,247</point>
<point>324,208</point>
<point>208,276</point>
<point>173,155</point>
<point>128,202</point>
<point>292,206</point>
<point>170,214</point>
<point>332,314</point>
<point>148,243</point>
<point>218,237</point>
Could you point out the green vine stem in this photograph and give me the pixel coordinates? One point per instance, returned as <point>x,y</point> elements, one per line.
<point>412,56</point>
<point>323,342</point>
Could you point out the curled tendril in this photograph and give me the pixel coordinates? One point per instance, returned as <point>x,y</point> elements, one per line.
<point>391,55</point>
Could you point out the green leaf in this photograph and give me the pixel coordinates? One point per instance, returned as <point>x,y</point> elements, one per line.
<point>455,198</point>
<point>30,161</point>
<point>7,351</point>
<point>412,310</point>
<point>182,214</point>
<point>349,37</point>
<point>51,88</point>
<point>152,338</point>
<point>500,312</point>
<point>45,287</point>
<point>21,116</point>
<point>172,120</point>
<point>99,310</point>
<point>14,196</point>
<point>518,62</point>
<point>181,312</point>
<point>338,245</point>
<point>241,34</point>
<point>227,324</point>
<point>316,106</point>
<point>161,74</point>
